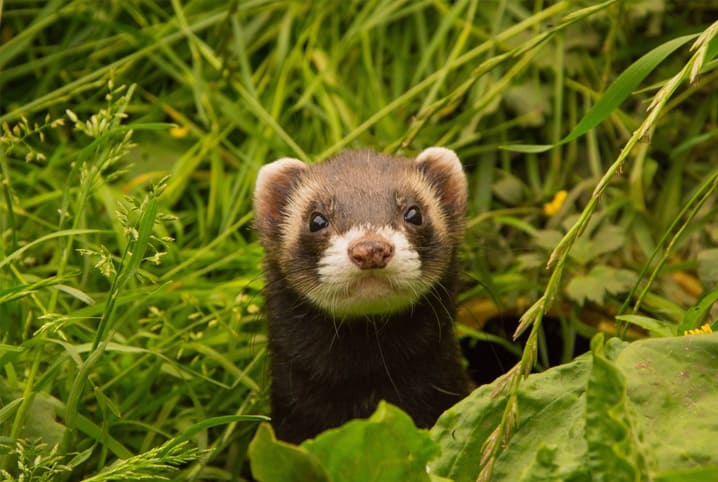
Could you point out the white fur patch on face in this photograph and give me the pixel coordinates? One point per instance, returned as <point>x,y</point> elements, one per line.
<point>345,290</point>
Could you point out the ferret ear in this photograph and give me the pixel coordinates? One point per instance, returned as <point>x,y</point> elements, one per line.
<point>275,182</point>
<point>443,169</point>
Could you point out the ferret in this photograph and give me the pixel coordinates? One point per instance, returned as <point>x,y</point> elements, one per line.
<point>361,265</point>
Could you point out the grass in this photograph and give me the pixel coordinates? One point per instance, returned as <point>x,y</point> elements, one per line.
<point>131,336</point>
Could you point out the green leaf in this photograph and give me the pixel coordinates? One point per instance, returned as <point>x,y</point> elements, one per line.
<point>544,466</point>
<point>585,288</point>
<point>611,454</point>
<point>697,314</point>
<point>40,421</point>
<point>273,460</point>
<point>205,424</point>
<point>145,225</point>
<point>671,388</point>
<point>614,280</point>
<point>9,408</point>
<point>697,474</point>
<point>76,293</point>
<point>551,408</point>
<point>614,95</point>
<point>385,447</point>
<point>509,189</point>
<point>57,234</point>
<point>599,281</point>
<point>607,239</point>
<point>637,411</point>
<point>652,325</point>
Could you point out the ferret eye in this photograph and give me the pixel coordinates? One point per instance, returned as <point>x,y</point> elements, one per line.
<point>413,216</point>
<point>317,222</point>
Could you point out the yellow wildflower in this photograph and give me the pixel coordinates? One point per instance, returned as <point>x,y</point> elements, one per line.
<point>706,328</point>
<point>552,207</point>
<point>177,131</point>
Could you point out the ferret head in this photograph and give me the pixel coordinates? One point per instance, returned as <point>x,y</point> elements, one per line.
<point>362,233</point>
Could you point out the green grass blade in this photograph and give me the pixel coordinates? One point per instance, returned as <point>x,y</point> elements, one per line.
<point>189,432</point>
<point>57,234</point>
<point>614,95</point>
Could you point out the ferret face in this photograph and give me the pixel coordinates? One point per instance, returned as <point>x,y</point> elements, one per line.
<point>362,233</point>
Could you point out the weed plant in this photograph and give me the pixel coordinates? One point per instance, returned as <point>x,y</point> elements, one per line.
<point>132,342</point>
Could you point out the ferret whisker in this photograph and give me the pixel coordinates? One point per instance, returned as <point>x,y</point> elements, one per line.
<point>336,332</point>
<point>386,366</point>
<point>437,318</point>
<point>384,323</point>
<point>439,285</point>
<point>440,300</point>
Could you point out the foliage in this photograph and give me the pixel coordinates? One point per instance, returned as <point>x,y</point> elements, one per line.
<point>385,447</point>
<point>131,334</point>
<point>621,412</point>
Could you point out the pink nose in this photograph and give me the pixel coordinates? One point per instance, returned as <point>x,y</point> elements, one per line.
<point>371,252</point>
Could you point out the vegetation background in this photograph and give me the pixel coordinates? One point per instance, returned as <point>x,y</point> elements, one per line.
<point>132,342</point>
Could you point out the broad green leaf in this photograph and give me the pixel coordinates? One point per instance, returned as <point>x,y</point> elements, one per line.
<point>611,454</point>
<point>697,474</point>
<point>607,239</point>
<point>585,288</point>
<point>670,384</point>
<point>509,189</point>
<point>599,281</point>
<point>614,280</point>
<point>385,447</point>
<point>544,467</point>
<point>644,410</point>
<point>551,408</point>
<point>273,460</point>
<point>615,94</point>
<point>40,420</point>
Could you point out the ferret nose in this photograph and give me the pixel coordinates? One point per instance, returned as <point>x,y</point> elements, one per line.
<point>370,252</point>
